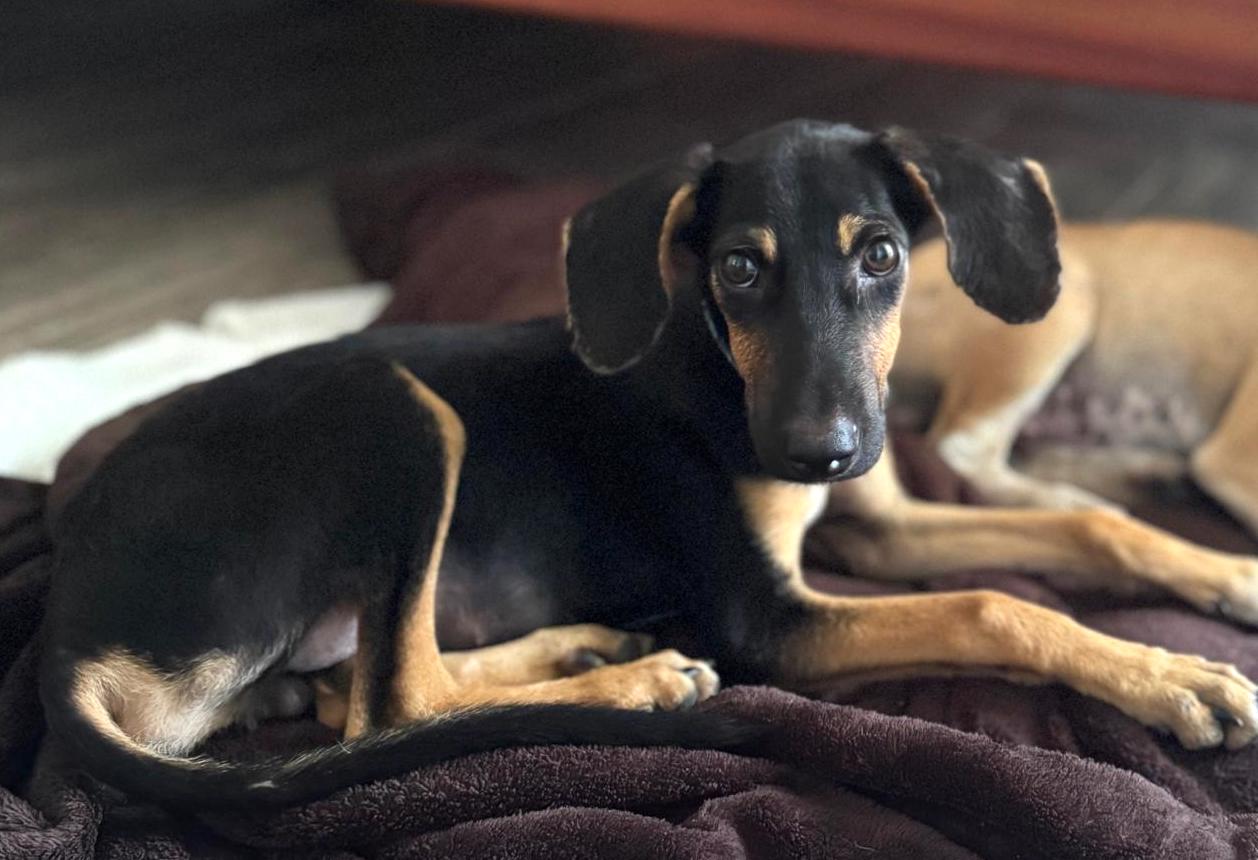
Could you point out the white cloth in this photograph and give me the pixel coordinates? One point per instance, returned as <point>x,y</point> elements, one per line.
<point>48,399</point>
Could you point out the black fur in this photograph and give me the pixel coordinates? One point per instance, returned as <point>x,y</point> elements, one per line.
<point>999,223</point>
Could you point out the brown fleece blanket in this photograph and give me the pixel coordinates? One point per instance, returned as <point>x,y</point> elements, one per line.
<point>925,769</point>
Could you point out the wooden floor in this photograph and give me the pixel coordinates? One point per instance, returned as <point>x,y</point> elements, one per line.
<point>157,155</point>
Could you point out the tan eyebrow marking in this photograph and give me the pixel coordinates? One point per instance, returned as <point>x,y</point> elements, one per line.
<point>766,240</point>
<point>849,226</point>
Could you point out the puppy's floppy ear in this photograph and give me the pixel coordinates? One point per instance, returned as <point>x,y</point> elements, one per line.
<point>998,218</point>
<point>617,255</point>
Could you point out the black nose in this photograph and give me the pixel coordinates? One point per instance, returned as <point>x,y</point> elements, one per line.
<point>822,458</point>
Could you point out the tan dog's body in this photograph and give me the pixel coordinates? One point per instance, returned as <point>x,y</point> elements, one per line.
<point>1153,333</point>
<point>1154,323</point>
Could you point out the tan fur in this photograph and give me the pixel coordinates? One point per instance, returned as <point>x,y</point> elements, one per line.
<point>980,631</point>
<point>849,226</point>
<point>547,654</point>
<point>681,208</point>
<point>882,350</point>
<point>985,629</point>
<point>874,529</point>
<point>750,350</point>
<point>993,377</point>
<point>1226,464</point>
<point>421,681</point>
<point>1040,176</point>
<point>1189,346</point>
<point>138,706</point>
<point>543,655</point>
<point>766,242</point>
<point>778,513</point>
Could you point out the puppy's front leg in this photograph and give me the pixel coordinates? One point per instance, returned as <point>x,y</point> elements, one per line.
<point>783,629</point>
<point>1203,703</point>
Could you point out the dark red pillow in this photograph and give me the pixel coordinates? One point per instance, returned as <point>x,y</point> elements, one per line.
<point>461,244</point>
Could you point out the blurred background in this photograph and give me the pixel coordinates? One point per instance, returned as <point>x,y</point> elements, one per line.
<point>158,155</point>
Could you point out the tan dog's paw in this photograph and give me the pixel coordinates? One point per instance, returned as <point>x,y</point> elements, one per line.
<point>1239,597</point>
<point>1232,593</point>
<point>1202,703</point>
<point>664,681</point>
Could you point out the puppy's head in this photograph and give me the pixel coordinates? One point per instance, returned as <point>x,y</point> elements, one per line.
<point>797,239</point>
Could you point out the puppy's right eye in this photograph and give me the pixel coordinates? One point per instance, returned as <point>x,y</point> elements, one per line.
<point>738,269</point>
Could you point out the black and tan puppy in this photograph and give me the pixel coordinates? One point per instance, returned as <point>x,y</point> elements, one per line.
<point>740,310</point>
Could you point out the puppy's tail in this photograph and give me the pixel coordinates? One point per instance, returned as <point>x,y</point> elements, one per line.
<point>82,720</point>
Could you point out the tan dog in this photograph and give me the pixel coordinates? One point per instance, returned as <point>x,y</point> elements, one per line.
<point>1153,336</point>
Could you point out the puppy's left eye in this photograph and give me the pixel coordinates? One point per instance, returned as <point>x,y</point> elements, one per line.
<point>881,256</point>
<point>738,269</point>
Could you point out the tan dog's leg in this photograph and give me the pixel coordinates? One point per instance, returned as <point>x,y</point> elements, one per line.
<point>874,529</point>
<point>1226,464</point>
<point>543,655</point>
<point>546,655</point>
<point>1201,702</point>
<point>993,383</point>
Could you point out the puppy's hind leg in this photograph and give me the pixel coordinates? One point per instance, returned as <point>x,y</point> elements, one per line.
<point>546,655</point>
<point>399,673</point>
<point>1226,464</point>
<point>995,380</point>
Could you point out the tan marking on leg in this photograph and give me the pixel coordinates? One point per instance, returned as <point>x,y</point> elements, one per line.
<point>849,227</point>
<point>421,682</point>
<point>665,680</point>
<point>543,655</point>
<point>985,629</point>
<point>533,669</point>
<point>919,183</point>
<point>778,513</point>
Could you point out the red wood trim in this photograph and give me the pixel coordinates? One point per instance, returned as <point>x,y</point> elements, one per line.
<point>1190,47</point>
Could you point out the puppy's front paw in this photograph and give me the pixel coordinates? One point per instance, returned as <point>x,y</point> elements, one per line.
<point>1231,590</point>
<point>666,681</point>
<point>1238,599</point>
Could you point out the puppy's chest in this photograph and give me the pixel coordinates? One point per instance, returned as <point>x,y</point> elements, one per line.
<point>1149,405</point>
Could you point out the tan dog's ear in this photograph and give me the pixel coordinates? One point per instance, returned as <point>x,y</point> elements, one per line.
<point>617,255</point>
<point>998,219</point>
